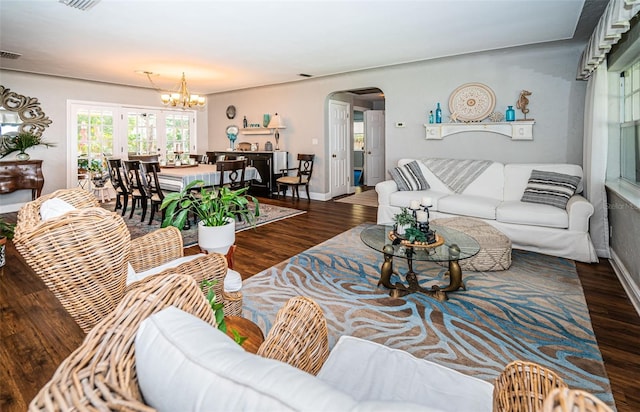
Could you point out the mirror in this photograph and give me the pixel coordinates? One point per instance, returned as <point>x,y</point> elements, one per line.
<point>20,114</point>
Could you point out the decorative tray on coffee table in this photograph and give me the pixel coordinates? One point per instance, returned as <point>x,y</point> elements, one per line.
<point>393,235</point>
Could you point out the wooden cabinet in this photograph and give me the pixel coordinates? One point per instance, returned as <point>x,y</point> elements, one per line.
<point>268,164</point>
<point>21,174</point>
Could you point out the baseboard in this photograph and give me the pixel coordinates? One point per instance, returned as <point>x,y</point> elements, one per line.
<point>630,287</point>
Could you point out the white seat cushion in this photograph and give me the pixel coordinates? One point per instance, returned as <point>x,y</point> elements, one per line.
<point>54,207</point>
<point>368,370</point>
<point>185,364</point>
<point>533,214</point>
<point>232,280</point>
<point>468,205</point>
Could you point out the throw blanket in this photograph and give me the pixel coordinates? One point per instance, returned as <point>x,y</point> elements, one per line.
<point>457,174</point>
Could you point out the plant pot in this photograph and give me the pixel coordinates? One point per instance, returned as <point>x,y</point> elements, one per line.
<point>3,256</point>
<point>23,156</point>
<point>217,238</point>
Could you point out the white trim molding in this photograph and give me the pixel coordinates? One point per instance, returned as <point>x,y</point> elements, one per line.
<point>630,287</point>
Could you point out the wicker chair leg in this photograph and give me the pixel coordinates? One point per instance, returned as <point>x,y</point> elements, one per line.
<point>299,336</point>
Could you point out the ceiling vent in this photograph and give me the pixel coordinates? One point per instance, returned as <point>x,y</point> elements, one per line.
<point>9,55</point>
<point>83,5</point>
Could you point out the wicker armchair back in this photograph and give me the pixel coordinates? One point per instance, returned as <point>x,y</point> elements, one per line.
<point>101,373</point>
<point>29,214</point>
<point>82,258</point>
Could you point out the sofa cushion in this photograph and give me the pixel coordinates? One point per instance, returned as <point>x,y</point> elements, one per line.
<point>368,370</point>
<point>467,205</point>
<point>54,207</point>
<point>183,363</point>
<point>232,280</point>
<point>404,198</point>
<point>550,188</point>
<point>409,177</point>
<point>533,214</point>
<point>516,176</point>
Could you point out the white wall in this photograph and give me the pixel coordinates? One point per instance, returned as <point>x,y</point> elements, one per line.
<point>411,90</point>
<point>53,94</point>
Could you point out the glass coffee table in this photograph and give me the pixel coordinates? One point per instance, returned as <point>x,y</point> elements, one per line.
<point>456,246</point>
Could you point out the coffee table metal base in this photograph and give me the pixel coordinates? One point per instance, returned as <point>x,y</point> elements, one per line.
<point>399,289</point>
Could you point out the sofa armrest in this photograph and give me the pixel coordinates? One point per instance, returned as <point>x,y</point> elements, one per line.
<point>579,210</point>
<point>156,248</point>
<point>385,189</point>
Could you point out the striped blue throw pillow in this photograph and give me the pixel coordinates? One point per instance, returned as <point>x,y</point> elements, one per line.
<point>409,177</point>
<point>550,188</point>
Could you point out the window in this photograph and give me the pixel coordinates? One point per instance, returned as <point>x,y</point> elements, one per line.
<point>630,125</point>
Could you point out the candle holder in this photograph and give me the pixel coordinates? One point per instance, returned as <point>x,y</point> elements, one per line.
<point>424,226</point>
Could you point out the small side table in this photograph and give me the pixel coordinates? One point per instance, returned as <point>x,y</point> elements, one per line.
<point>102,193</point>
<point>245,327</point>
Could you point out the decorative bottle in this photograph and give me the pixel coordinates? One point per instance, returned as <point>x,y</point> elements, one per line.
<point>244,122</point>
<point>438,114</point>
<point>430,116</point>
<point>510,115</point>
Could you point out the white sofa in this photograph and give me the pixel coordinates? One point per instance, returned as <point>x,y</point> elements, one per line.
<point>494,197</point>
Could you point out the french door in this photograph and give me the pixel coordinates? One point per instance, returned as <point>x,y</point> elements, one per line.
<point>98,131</point>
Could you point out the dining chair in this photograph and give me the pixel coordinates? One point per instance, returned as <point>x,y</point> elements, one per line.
<point>151,186</point>
<point>134,181</point>
<point>232,173</point>
<point>119,183</point>
<point>301,177</point>
<point>200,159</point>
<point>144,157</point>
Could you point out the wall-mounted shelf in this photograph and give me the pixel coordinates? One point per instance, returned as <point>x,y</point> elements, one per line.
<point>518,130</point>
<point>256,130</point>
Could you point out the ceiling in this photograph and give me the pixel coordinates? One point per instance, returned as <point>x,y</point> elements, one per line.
<point>230,45</point>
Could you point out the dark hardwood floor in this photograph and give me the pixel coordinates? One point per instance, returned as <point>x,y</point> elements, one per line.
<point>37,334</point>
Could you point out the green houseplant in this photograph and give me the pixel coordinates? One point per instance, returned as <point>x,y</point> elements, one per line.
<point>20,143</point>
<point>404,220</point>
<point>213,208</point>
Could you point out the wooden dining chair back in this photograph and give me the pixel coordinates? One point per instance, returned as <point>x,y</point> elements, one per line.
<point>134,180</point>
<point>232,173</point>
<point>116,172</point>
<point>301,177</point>
<point>151,185</point>
<point>200,159</point>
<point>144,157</point>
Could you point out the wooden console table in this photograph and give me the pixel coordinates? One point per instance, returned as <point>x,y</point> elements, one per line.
<point>20,175</point>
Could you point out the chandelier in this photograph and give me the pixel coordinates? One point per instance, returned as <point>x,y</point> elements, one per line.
<point>182,98</point>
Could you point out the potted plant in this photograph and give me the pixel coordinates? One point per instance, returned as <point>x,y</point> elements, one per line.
<point>404,220</point>
<point>215,209</point>
<point>98,175</point>
<point>20,143</point>
<point>6,232</point>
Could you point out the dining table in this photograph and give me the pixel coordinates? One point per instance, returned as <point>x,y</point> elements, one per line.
<point>174,178</point>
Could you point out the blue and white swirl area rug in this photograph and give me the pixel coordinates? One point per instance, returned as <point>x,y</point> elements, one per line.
<point>535,311</point>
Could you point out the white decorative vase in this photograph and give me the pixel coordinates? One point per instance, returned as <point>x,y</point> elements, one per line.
<point>23,156</point>
<point>217,238</point>
<point>401,229</point>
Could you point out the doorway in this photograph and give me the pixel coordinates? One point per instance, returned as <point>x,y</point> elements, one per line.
<point>359,163</point>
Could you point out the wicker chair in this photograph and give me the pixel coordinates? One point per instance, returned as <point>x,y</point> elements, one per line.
<point>523,387</point>
<point>573,400</point>
<point>101,373</point>
<point>83,255</point>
